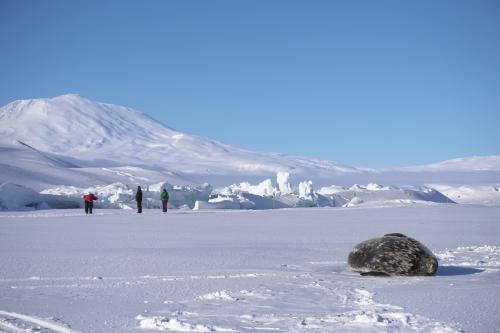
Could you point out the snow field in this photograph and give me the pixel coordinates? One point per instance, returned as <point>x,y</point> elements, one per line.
<point>488,195</point>
<point>243,271</point>
<point>15,322</point>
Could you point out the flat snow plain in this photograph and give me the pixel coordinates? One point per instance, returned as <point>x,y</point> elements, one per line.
<point>244,271</point>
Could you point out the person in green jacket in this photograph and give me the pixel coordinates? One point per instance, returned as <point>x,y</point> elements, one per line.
<point>164,200</point>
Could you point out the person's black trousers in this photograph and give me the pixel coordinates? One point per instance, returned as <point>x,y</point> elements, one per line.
<point>139,206</point>
<point>88,207</point>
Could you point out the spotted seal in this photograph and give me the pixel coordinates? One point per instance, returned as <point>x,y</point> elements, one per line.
<point>393,254</point>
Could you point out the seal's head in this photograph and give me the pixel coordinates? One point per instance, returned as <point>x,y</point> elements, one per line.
<point>429,265</point>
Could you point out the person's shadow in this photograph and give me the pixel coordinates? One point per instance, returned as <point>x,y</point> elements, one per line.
<point>456,270</point>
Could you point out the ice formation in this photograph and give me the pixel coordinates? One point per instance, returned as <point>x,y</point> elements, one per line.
<point>306,190</point>
<point>237,196</point>
<point>283,180</point>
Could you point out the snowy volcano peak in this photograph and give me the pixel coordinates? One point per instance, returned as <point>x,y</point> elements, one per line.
<point>71,121</point>
<point>103,134</point>
<point>93,134</point>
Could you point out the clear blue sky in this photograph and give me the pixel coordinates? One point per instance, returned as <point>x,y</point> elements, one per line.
<point>365,83</point>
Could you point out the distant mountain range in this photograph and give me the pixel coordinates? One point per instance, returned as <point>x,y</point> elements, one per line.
<point>70,139</point>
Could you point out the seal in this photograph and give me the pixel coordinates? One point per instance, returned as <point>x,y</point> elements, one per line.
<point>393,254</point>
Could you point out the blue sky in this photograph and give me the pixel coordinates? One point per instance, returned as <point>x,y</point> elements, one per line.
<point>365,83</point>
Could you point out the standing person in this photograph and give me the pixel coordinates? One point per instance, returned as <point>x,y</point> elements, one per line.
<point>89,202</point>
<point>138,198</point>
<point>164,200</point>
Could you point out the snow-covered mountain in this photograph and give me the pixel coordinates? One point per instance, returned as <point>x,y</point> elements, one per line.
<point>43,140</point>
<point>24,165</point>
<point>100,134</point>
<point>474,163</point>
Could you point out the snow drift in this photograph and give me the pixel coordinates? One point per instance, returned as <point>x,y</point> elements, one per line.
<point>18,197</point>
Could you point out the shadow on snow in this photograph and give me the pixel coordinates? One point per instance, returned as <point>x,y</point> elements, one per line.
<point>456,270</point>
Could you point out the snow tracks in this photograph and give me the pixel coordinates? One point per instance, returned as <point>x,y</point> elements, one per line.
<point>316,297</point>
<point>11,322</point>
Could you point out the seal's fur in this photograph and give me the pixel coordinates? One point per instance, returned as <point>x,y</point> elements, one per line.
<point>393,254</point>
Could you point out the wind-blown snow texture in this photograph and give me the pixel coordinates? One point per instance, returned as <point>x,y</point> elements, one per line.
<point>244,271</point>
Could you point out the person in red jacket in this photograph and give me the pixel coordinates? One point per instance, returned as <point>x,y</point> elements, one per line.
<point>89,202</point>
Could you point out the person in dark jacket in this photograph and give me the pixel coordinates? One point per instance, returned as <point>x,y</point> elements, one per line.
<point>138,199</point>
<point>164,200</point>
<point>89,202</point>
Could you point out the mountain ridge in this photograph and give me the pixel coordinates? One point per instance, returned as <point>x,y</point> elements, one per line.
<point>113,127</point>
<point>92,134</point>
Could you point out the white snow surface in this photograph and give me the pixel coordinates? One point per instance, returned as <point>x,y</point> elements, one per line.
<point>244,271</point>
<point>488,195</point>
<point>476,163</point>
<point>24,165</point>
